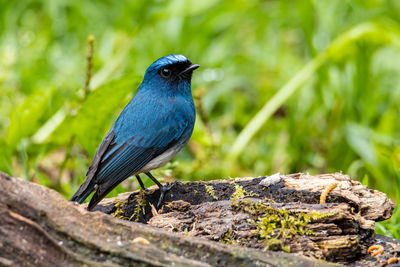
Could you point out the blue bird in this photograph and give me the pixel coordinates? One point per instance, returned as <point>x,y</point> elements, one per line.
<point>152,128</point>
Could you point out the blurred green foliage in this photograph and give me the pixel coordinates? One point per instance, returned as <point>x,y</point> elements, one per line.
<point>334,65</point>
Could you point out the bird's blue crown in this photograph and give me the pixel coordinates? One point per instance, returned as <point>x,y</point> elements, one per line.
<point>168,60</point>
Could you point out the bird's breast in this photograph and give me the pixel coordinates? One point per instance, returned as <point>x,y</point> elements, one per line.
<point>161,159</point>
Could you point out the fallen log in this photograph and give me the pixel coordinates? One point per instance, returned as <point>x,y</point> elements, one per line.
<point>38,227</point>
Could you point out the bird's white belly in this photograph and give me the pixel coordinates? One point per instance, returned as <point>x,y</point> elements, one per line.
<point>160,160</point>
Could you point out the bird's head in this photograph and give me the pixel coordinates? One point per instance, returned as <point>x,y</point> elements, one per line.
<point>170,72</point>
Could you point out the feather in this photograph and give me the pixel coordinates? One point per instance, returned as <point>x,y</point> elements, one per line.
<point>88,185</point>
<point>132,157</point>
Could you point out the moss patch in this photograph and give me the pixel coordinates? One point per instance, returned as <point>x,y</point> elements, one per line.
<point>210,191</point>
<point>276,244</point>
<point>274,225</point>
<point>241,193</point>
<point>118,213</point>
<point>228,238</point>
<point>140,205</point>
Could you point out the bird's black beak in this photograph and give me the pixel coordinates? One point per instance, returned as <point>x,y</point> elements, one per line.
<point>189,69</point>
<point>187,73</point>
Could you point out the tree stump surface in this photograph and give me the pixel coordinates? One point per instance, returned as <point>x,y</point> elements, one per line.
<point>214,223</point>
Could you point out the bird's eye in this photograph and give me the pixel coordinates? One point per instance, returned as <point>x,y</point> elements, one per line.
<point>165,72</point>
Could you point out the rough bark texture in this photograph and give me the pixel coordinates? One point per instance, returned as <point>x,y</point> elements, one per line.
<point>38,227</point>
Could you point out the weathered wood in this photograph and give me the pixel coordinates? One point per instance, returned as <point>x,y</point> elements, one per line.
<point>371,204</point>
<point>341,230</point>
<point>337,237</point>
<point>38,227</point>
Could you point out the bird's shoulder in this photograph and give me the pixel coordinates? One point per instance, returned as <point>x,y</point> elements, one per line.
<point>144,116</point>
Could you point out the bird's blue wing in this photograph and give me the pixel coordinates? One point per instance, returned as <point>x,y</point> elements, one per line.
<point>145,129</point>
<point>126,159</point>
<point>136,152</point>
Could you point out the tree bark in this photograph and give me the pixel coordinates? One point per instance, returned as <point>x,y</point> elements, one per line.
<point>38,227</point>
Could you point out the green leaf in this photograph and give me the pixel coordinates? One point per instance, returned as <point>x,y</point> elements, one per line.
<point>30,115</point>
<point>359,139</point>
<point>96,114</point>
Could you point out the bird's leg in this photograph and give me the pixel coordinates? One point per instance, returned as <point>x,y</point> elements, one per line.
<point>163,189</point>
<point>141,182</point>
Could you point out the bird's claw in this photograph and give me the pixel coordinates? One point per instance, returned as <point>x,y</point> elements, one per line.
<point>164,189</point>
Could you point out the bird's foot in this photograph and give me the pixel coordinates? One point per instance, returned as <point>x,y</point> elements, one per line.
<point>164,189</point>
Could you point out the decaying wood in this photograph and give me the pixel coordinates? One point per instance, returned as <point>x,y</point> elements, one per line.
<point>342,232</point>
<point>40,228</point>
<point>371,204</point>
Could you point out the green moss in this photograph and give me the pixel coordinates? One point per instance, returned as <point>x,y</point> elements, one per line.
<point>276,245</point>
<point>118,213</point>
<point>278,224</point>
<point>186,232</point>
<point>281,224</point>
<point>210,191</point>
<point>140,205</point>
<point>228,238</point>
<point>241,193</point>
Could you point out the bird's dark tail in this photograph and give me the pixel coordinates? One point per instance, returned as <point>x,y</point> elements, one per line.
<point>101,191</point>
<point>83,192</point>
